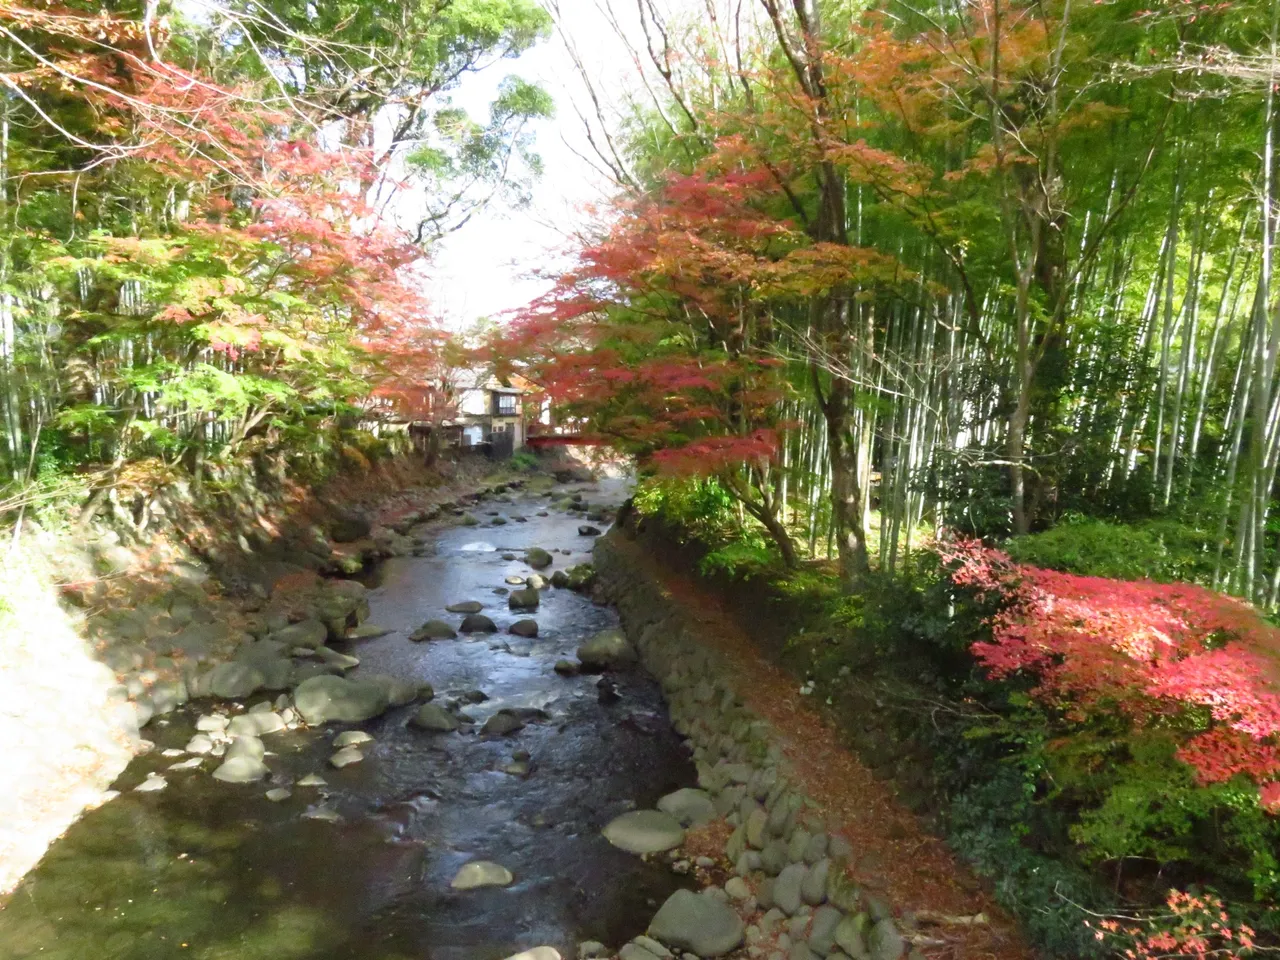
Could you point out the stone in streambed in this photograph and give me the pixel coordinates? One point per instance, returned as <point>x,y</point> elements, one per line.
<point>466,606</point>
<point>481,873</point>
<point>502,723</point>
<point>255,724</point>
<point>644,831</point>
<point>435,719</point>
<point>434,630</point>
<point>277,794</point>
<point>351,738</point>
<point>478,623</point>
<point>325,698</point>
<point>587,530</point>
<point>537,953</point>
<point>786,889</point>
<point>345,757</point>
<point>307,633</point>
<point>241,769</point>
<point>538,558</point>
<point>566,668</point>
<point>607,650</point>
<point>526,599</point>
<point>235,680</point>
<point>698,924</point>
<point>399,692</point>
<point>367,632</point>
<point>524,628</point>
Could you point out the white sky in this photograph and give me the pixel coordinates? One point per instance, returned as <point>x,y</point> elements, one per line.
<point>487,266</point>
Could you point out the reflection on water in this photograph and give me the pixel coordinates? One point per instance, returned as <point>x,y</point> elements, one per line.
<point>210,870</point>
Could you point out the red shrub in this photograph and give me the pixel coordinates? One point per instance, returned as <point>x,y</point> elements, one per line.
<point>1154,652</point>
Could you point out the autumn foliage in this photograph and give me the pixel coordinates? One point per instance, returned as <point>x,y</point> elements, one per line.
<point>1177,656</point>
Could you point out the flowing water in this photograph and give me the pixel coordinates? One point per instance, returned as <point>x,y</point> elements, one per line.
<point>209,871</point>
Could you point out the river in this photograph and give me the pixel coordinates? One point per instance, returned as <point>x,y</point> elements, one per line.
<point>215,871</point>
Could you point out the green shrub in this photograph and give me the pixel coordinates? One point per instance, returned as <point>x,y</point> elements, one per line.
<point>1162,550</point>
<point>524,460</point>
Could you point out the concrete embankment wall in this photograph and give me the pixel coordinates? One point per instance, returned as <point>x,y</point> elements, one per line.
<point>787,865</point>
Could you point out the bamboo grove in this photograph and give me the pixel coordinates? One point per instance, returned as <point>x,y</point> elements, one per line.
<point>988,265</point>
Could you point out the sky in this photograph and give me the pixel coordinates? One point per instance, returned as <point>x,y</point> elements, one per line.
<point>488,266</point>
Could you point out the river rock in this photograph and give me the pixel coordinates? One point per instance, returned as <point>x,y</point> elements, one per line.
<point>591,950</point>
<point>514,581</point>
<point>351,738</point>
<point>350,526</point>
<point>368,631</point>
<point>478,623</point>
<point>345,757</point>
<point>586,530</point>
<point>235,680</point>
<point>335,659</point>
<point>241,769</point>
<point>537,581</point>
<point>537,953</point>
<point>607,650</point>
<point>850,935</point>
<point>690,806</point>
<point>312,780</point>
<point>435,718</point>
<point>255,724</point>
<point>538,558</point>
<point>399,692</point>
<point>822,934</point>
<point>884,941</point>
<point>481,873</point>
<point>566,668</point>
<point>305,633</point>
<point>434,630</point>
<point>701,925</point>
<point>153,783</point>
<point>559,579</point>
<point>502,723</point>
<point>524,628</point>
<point>325,698</point>
<point>277,794</point>
<point>200,744</point>
<point>786,889</point>
<point>526,599</point>
<point>466,606</point>
<point>644,831</point>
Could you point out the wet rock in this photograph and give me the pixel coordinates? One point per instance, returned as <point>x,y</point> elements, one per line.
<point>592,950</point>
<point>399,692</point>
<point>586,530</point>
<point>153,783</point>
<point>469,520</point>
<point>200,744</point>
<point>508,556</point>
<point>536,581</point>
<point>434,718</point>
<point>351,738</point>
<point>466,606</point>
<point>346,756</point>
<point>475,696</point>
<point>514,581</point>
<point>524,628</point>
<point>566,668</point>
<point>690,806</point>
<point>633,951</point>
<point>367,632</point>
<point>607,650</point>
<point>526,599</point>
<point>255,724</point>
<point>538,558</point>
<point>241,769</point>
<point>168,695</point>
<point>277,794</point>
<point>606,691</point>
<point>737,888</point>
<point>498,521</point>
<point>235,680</point>
<point>478,623</point>
<point>644,831</point>
<point>325,698</point>
<point>701,925</point>
<point>434,630</point>
<point>481,873</point>
<point>502,723</point>
<point>312,780</point>
<point>212,723</point>
<point>537,953</point>
<point>559,579</point>
<point>305,633</point>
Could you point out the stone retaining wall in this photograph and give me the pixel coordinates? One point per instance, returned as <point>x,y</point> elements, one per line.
<point>790,885</point>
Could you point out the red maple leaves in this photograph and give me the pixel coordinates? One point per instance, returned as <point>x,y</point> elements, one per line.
<point>1149,651</point>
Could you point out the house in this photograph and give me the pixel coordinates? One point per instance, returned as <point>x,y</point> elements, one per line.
<point>490,415</point>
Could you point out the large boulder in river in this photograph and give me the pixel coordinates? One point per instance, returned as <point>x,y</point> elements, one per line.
<point>607,650</point>
<point>524,628</point>
<point>538,558</point>
<point>526,599</point>
<point>325,698</point>
<point>644,831</point>
<point>435,718</point>
<point>342,604</point>
<point>478,623</point>
<point>434,630</point>
<point>697,924</point>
